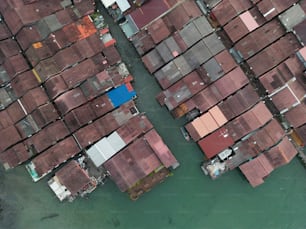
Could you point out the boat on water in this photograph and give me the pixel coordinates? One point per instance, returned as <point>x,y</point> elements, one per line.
<point>185,133</point>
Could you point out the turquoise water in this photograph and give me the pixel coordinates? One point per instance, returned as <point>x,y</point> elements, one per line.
<point>188,199</point>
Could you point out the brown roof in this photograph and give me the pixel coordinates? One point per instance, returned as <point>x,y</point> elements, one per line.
<point>273,54</point>
<point>88,135</point>
<point>256,170</point>
<point>239,102</point>
<point>54,156</point>
<point>23,82</point>
<point>79,117</point>
<point>9,137</point>
<point>136,126</point>
<point>153,60</point>
<point>5,119</point>
<point>118,117</point>
<point>296,116</point>
<point>112,55</point>
<point>300,31</point>
<point>48,136</point>
<point>281,154</point>
<point>132,164</point>
<point>227,10</point>
<point>160,148</point>
<point>225,60</point>
<point>182,14</point>
<point>15,111</point>
<point>80,72</point>
<point>55,86</point>
<point>260,38</point>
<point>73,177</point>
<point>15,65</point>
<point>244,24</point>
<point>302,133</point>
<point>70,100</point>
<point>45,114</point>
<point>4,31</point>
<point>142,41</point>
<point>101,105</point>
<point>158,30</point>
<point>182,90</point>
<point>14,156</point>
<point>8,48</point>
<point>278,76</point>
<point>270,9</point>
<point>34,98</point>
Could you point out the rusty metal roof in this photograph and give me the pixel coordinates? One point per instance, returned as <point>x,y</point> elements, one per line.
<point>10,136</point>
<point>79,117</point>
<point>34,98</point>
<point>225,11</point>
<point>273,54</point>
<point>45,114</point>
<point>70,100</point>
<point>158,30</point>
<point>24,82</point>
<point>48,136</point>
<point>142,41</point>
<point>132,164</point>
<point>54,156</point>
<point>73,177</point>
<point>15,65</point>
<point>296,116</point>
<point>14,156</point>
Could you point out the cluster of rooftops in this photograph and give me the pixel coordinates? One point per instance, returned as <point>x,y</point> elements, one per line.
<point>67,102</point>
<point>236,71</point>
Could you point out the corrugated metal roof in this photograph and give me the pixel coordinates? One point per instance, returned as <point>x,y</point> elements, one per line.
<point>296,116</point>
<point>292,17</point>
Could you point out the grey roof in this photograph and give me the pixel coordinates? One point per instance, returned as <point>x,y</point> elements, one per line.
<point>4,77</point>
<point>213,69</point>
<point>203,26</point>
<point>214,43</point>
<point>197,55</point>
<point>164,52</point>
<point>182,65</point>
<point>190,34</point>
<point>292,17</point>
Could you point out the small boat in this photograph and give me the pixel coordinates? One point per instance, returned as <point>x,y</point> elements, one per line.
<point>185,133</point>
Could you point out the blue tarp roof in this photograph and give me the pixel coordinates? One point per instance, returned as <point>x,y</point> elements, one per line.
<point>120,95</point>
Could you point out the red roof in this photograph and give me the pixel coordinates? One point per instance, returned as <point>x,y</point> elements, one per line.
<point>23,82</point>
<point>9,137</point>
<point>296,116</point>
<point>216,142</point>
<point>14,156</point>
<point>158,30</point>
<point>34,98</point>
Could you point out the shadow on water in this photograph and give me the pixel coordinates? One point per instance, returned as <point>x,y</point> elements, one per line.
<point>50,216</point>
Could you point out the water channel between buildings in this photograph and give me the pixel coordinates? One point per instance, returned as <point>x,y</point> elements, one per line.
<point>188,199</point>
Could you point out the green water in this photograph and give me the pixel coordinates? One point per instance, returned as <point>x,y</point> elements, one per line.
<point>186,200</point>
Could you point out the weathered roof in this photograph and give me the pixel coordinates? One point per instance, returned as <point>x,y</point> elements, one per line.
<point>24,82</point>
<point>142,41</point>
<point>256,170</point>
<point>55,86</point>
<point>282,153</point>
<point>34,98</point>
<point>160,149</point>
<point>227,10</point>
<point>73,177</point>
<point>260,38</point>
<point>10,136</point>
<point>273,54</point>
<point>53,157</point>
<point>300,31</point>
<point>45,114</point>
<point>270,9</point>
<point>296,116</point>
<point>15,65</point>
<point>158,30</point>
<point>79,117</point>
<point>48,136</point>
<point>15,111</point>
<point>243,24</point>
<point>70,100</point>
<point>132,164</point>
<point>182,90</point>
<point>14,156</point>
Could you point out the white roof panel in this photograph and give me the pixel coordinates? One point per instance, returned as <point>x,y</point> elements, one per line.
<point>108,3</point>
<point>116,141</point>
<point>123,5</point>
